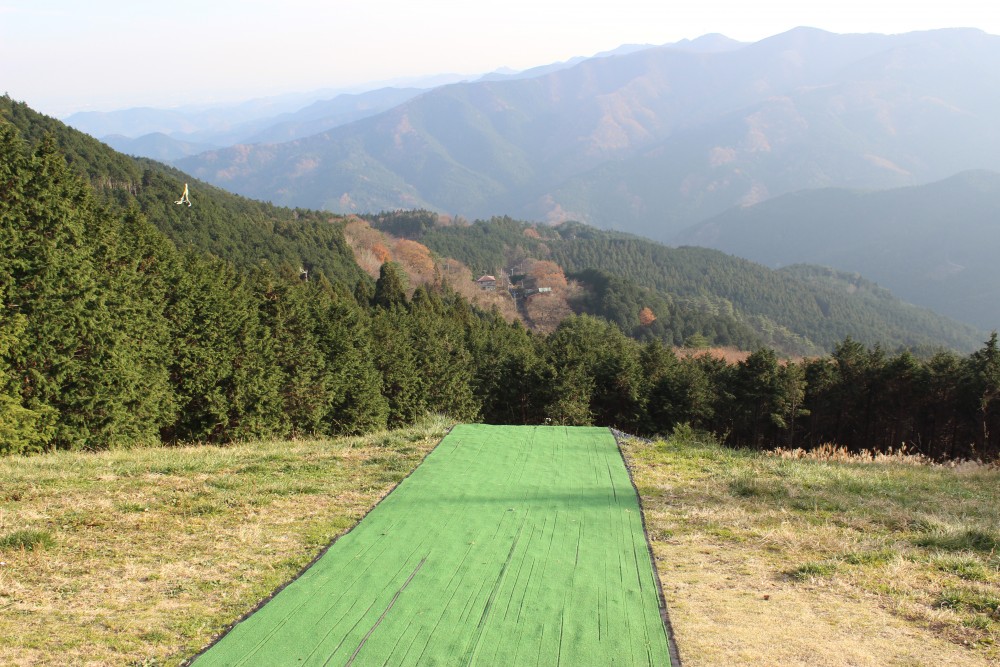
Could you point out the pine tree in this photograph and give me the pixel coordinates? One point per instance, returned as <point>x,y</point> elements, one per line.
<point>53,287</point>
<point>402,384</point>
<point>443,362</point>
<point>303,377</point>
<point>512,379</point>
<point>223,367</point>
<point>137,265</point>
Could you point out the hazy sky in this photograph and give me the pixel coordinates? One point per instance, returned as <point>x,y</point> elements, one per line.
<point>61,56</point>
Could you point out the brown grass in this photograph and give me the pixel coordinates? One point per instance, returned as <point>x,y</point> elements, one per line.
<point>142,556</point>
<point>728,354</point>
<point>779,561</point>
<point>154,551</point>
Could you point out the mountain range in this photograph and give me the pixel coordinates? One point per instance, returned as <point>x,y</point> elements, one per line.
<point>169,135</point>
<point>654,140</point>
<point>807,147</point>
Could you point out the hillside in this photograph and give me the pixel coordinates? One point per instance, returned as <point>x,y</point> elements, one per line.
<point>116,336</point>
<point>693,294</point>
<point>798,312</point>
<point>234,228</point>
<point>246,232</point>
<point>655,140</point>
<point>933,245</point>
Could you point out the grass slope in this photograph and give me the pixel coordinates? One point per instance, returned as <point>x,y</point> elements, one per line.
<point>836,561</point>
<point>142,556</point>
<point>509,545</point>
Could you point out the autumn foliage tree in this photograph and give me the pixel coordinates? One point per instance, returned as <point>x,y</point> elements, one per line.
<point>544,273</point>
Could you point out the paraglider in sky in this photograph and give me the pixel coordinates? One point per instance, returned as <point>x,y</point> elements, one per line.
<point>184,197</point>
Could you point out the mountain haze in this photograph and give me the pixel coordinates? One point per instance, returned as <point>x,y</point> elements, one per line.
<point>156,145</point>
<point>693,291</point>
<point>656,140</point>
<point>178,134</point>
<point>934,245</point>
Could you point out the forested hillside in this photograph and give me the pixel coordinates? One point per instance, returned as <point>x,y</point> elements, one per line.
<point>693,294</point>
<point>694,290</point>
<point>111,335</point>
<point>237,229</point>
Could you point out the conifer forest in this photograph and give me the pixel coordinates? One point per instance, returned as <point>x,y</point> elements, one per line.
<point>117,332</point>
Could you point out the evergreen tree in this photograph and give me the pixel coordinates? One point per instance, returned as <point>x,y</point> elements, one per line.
<point>983,393</point>
<point>760,400</point>
<point>287,313</point>
<point>443,362</point>
<point>223,368</point>
<point>355,401</point>
<point>396,359</point>
<point>512,378</point>
<point>390,288</point>
<point>53,287</point>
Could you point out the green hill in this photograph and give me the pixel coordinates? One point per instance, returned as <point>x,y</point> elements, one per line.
<point>112,335</point>
<point>801,312</point>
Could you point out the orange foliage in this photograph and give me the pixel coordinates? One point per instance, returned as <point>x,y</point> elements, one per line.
<point>532,233</point>
<point>363,239</point>
<point>547,274</point>
<point>381,252</point>
<point>646,317</point>
<point>416,259</point>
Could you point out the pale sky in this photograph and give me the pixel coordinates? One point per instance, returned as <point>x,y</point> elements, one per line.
<point>62,56</point>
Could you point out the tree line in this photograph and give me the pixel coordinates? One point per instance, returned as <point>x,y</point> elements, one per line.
<point>111,335</point>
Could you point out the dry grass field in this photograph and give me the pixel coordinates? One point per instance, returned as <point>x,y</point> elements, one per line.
<point>143,556</point>
<point>831,560</point>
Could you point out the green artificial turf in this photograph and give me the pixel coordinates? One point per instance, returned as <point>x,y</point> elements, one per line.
<point>509,545</point>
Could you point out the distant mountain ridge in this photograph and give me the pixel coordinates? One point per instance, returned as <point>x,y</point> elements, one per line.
<point>177,134</point>
<point>155,145</point>
<point>656,140</point>
<point>934,245</point>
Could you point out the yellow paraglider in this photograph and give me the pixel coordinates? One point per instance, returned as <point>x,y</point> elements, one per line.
<point>184,197</point>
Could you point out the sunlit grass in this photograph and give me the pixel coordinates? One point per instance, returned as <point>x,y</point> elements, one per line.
<point>142,556</point>
<point>891,561</point>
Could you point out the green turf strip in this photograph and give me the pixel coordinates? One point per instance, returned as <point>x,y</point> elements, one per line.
<point>509,545</point>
